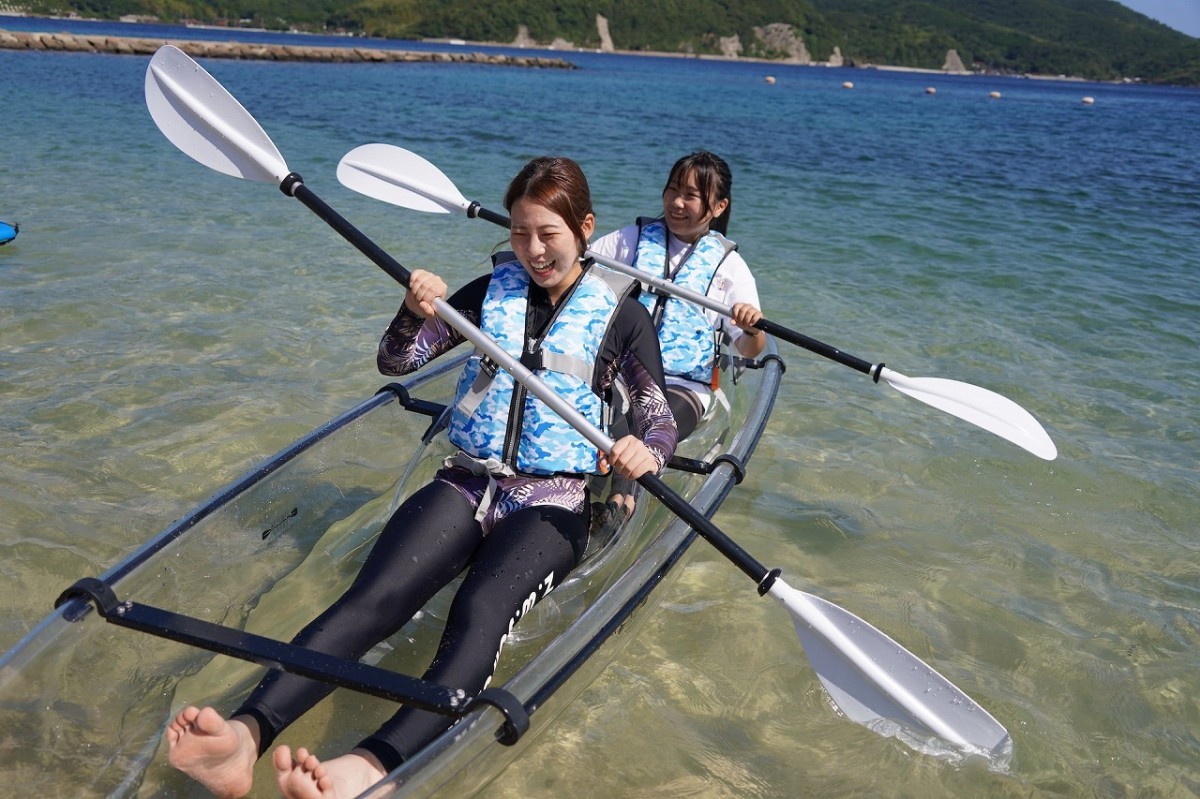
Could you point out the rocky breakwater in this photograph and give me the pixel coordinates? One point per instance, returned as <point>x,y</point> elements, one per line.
<point>120,45</point>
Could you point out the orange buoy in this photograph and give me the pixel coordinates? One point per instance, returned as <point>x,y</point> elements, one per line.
<point>770,79</point>
<point>847,85</point>
<point>994,95</point>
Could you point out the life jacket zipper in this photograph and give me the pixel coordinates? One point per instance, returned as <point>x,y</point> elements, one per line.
<point>516,408</point>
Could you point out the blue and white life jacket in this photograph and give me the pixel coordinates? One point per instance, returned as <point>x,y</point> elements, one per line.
<point>494,418</point>
<point>686,337</point>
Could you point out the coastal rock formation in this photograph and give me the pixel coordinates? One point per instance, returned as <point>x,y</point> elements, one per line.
<point>15,40</point>
<point>779,37</point>
<point>836,59</point>
<point>523,38</point>
<point>606,42</point>
<point>953,62</point>
<point>771,41</point>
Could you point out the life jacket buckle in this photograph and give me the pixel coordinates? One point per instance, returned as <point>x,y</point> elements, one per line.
<point>532,360</point>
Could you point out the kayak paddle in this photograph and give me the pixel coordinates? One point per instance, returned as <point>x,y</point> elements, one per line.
<point>871,678</point>
<point>400,177</point>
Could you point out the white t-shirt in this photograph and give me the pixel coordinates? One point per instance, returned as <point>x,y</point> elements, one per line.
<point>732,284</point>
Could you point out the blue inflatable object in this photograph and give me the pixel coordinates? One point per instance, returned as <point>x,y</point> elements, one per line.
<point>8,232</point>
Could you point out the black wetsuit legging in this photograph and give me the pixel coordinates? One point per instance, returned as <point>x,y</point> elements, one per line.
<point>686,409</point>
<point>428,541</point>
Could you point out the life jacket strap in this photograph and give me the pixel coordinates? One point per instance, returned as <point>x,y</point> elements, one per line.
<point>491,467</point>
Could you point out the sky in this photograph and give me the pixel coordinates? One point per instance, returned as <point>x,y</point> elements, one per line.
<point>1182,15</point>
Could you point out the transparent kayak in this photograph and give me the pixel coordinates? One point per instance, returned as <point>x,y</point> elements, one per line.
<point>85,697</point>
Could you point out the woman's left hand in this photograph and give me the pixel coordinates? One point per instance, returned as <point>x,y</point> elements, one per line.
<point>752,341</point>
<point>746,316</point>
<point>630,457</point>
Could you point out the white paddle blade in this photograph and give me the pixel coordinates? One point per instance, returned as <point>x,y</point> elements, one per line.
<point>203,120</point>
<point>878,683</point>
<point>400,177</point>
<point>979,406</point>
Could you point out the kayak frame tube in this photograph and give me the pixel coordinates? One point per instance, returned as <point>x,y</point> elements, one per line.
<point>271,653</point>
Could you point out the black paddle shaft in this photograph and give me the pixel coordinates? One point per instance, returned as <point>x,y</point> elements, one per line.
<point>820,348</point>
<point>293,186</point>
<point>711,533</point>
<point>779,331</point>
<point>477,210</point>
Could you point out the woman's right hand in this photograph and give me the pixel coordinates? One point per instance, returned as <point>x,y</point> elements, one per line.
<point>630,457</point>
<point>423,288</point>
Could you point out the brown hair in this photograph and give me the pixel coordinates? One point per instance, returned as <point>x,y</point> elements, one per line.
<point>713,178</point>
<point>558,184</point>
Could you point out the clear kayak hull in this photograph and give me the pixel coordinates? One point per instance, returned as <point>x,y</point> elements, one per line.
<point>84,703</point>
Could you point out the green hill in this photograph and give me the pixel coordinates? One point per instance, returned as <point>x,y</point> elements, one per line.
<point>1098,39</point>
<point>1095,39</point>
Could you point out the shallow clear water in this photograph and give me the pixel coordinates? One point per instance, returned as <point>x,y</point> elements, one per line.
<point>165,327</point>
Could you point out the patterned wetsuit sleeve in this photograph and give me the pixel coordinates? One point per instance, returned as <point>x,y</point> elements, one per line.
<point>410,342</point>
<point>641,367</point>
<point>650,409</point>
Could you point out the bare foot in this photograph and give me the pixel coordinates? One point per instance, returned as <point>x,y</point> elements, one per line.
<point>306,777</point>
<point>618,508</point>
<point>218,754</point>
<point>624,501</point>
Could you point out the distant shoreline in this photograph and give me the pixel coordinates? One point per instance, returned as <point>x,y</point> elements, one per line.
<point>353,53</point>
<point>769,61</point>
<point>130,45</point>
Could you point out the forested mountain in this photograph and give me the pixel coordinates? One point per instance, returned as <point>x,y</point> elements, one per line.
<point>1097,39</point>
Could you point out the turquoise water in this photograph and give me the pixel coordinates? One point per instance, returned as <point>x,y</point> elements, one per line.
<point>164,327</point>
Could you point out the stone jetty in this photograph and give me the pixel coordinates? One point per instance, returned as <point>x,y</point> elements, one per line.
<point>121,45</point>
